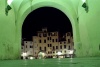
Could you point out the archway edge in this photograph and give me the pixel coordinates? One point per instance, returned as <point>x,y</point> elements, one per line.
<point>61,7</point>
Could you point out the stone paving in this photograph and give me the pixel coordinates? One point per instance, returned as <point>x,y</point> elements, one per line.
<point>66,62</point>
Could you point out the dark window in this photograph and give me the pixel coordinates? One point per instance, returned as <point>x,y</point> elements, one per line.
<point>68,47</point>
<point>44,41</point>
<point>56,40</point>
<point>56,47</point>
<point>68,40</point>
<point>40,48</point>
<point>26,46</point>
<point>64,42</point>
<point>60,47</point>
<point>47,38</point>
<point>48,52</point>
<point>31,46</point>
<point>39,41</point>
<point>52,40</point>
<point>48,45</point>
<point>53,47</point>
<point>45,48</point>
<point>65,51</point>
<point>64,46</point>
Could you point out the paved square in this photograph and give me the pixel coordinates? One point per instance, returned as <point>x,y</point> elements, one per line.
<point>66,62</point>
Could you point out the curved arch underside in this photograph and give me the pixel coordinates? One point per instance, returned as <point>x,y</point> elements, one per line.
<point>85,31</point>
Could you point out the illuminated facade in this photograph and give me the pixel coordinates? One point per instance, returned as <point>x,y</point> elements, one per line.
<point>49,43</point>
<point>27,48</point>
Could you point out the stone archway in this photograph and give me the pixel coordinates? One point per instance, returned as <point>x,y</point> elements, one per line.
<point>58,5</point>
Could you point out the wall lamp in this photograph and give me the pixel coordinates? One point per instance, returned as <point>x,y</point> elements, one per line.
<point>85,5</point>
<point>8,7</point>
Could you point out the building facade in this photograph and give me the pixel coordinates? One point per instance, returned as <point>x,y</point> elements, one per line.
<point>27,48</point>
<point>50,43</point>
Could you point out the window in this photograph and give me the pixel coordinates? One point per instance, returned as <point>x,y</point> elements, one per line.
<point>39,41</point>
<point>45,48</point>
<point>64,46</point>
<point>47,38</point>
<point>26,46</point>
<point>53,47</point>
<point>48,45</point>
<point>65,51</point>
<point>68,40</point>
<point>60,42</point>
<point>56,40</point>
<point>56,47</point>
<point>48,52</point>
<point>31,46</point>
<point>52,40</point>
<point>40,48</point>
<point>44,41</point>
<point>61,47</point>
<point>68,47</point>
<point>64,42</point>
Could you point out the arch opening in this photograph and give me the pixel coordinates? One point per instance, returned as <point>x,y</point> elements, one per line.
<point>53,20</point>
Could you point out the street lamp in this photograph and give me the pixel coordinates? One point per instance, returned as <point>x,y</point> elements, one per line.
<point>8,7</point>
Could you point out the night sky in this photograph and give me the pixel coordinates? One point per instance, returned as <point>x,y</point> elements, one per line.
<point>49,17</point>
